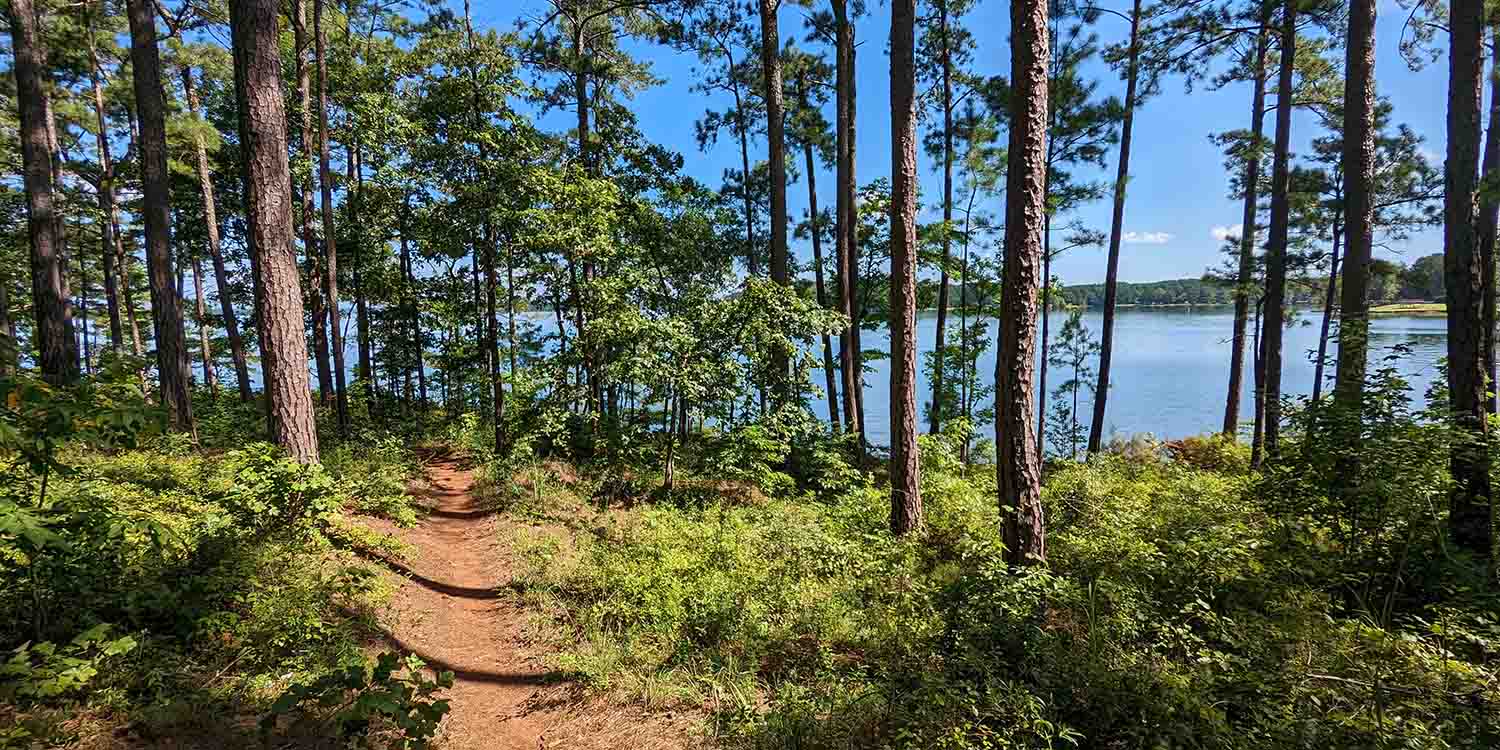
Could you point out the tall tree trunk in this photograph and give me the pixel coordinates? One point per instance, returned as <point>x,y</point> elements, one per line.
<point>125,264</point>
<point>1116,234</point>
<point>1245,275</point>
<point>312,255</point>
<point>1469,513</point>
<point>330,244</point>
<point>216,252</point>
<point>829,371</point>
<point>845,241</point>
<point>262,120</point>
<point>1489,218</point>
<point>492,343</point>
<point>1359,208</point>
<point>1258,367</point>
<point>742,128</point>
<point>53,333</point>
<point>935,417</point>
<point>83,314</point>
<point>414,313</point>
<point>355,177</point>
<point>1018,466</point>
<point>106,196</point>
<point>205,350</point>
<point>173,366</point>
<point>1276,246</point>
<point>1046,337</point>
<point>8,345</point>
<point>770,61</point>
<point>906,498</point>
<point>1330,303</point>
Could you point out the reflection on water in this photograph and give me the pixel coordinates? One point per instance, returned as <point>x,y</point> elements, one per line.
<point>1171,366</point>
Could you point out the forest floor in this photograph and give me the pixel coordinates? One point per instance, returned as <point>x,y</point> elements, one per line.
<point>455,611</point>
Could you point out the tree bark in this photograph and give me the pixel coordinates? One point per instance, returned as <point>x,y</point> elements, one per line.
<point>1046,337</point>
<point>940,346</point>
<point>106,196</point>
<point>414,315</point>
<point>1246,273</point>
<point>845,241</point>
<point>1489,218</point>
<point>830,373</point>
<point>1116,234</point>
<point>770,59</point>
<point>906,498</point>
<point>1330,303</point>
<point>1276,246</point>
<point>330,244</point>
<point>356,178</point>
<point>300,41</point>
<point>53,332</point>
<point>1359,209</point>
<point>1017,467</point>
<point>257,67</point>
<point>173,366</point>
<point>205,350</point>
<point>216,252</point>
<point>1469,511</point>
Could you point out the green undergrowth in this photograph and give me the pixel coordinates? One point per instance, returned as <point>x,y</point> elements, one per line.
<point>1180,608</point>
<point>161,593</point>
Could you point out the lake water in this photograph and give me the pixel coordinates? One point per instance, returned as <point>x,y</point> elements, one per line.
<point>1171,367</point>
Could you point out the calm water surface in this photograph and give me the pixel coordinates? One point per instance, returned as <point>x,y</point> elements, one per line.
<point>1171,366</point>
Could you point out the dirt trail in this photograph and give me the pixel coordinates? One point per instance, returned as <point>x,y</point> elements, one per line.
<point>453,612</point>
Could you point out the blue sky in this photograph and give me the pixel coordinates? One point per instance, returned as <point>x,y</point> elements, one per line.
<point>1177,207</point>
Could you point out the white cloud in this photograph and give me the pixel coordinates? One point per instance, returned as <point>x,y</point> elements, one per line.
<point>1147,238</point>
<point>1224,233</point>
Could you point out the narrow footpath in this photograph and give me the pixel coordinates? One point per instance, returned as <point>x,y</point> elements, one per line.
<point>453,612</point>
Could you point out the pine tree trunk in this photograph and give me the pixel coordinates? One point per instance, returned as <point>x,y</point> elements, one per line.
<point>770,59</point>
<point>1018,466</point>
<point>846,243</point>
<point>257,67</point>
<point>216,252</point>
<point>1489,218</point>
<point>1116,234</point>
<point>8,350</point>
<point>173,366</point>
<point>492,344</point>
<point>356,181</point>
<point>935,417</point>
<point>83,314</point>
<point>1470,504</point>
<point>106,197</point>
<point>1276,245</point>
<point>1330,303</point>
<point>310,251</point>
<point>1245,276</point>
<point>906,498</point>
<point>53,331</point>
<point>414,313</point>
<point>205,350</point>
<point>1046,337</point>
<point>829,371</point>
<point>1359,207</point>
<point>330,244</point>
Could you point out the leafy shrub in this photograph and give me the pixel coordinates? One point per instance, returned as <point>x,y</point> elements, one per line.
<point>44,670</point>
<point>356,698</point>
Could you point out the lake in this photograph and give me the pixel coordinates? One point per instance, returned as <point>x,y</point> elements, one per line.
<point>1171,367</point>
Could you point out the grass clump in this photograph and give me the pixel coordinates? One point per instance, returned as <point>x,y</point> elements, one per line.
<point>1176,612</point>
